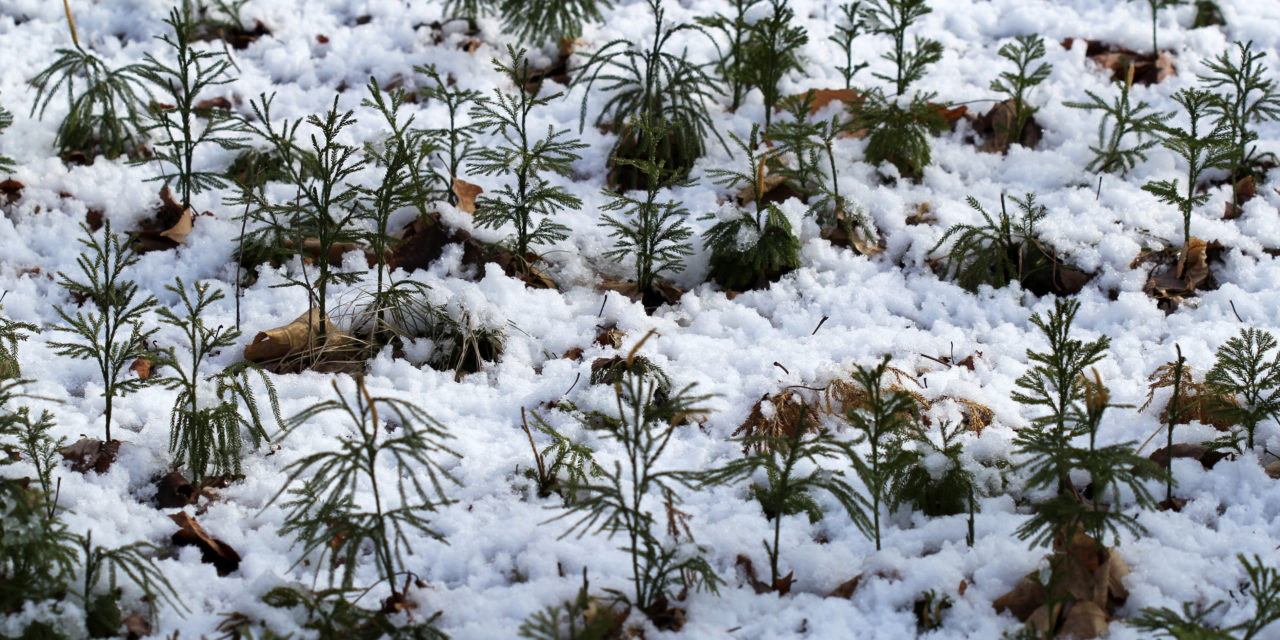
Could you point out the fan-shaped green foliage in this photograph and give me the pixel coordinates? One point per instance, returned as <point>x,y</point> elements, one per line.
<point>537,23</point>
<point>753,245</point>
<point>1127,121</point>
<point>1242,369</point>
<point>651,81</point>
<point>1200,149</point>
<point>1248,100</point>
<point>109,331</point>
<point>532,200</point>
<point>1022,52</point>
<point>882,423</point>
<point>997,252</point>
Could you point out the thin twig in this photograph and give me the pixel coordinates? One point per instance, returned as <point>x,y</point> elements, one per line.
<point>779,365</point>
<point>820,322</point>
<point>1233,310</point>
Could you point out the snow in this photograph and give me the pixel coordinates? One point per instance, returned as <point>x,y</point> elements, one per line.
<point>502,560</point>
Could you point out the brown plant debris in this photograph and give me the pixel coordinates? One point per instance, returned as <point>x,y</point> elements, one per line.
<point>311,341</point>
<point>995,126</point>
<point>1078,603</point>
<point>1195,401</point>
<point>1170,283</point>
<point>212,550</point>
<point>1148,68</point>
<point>89,454</point>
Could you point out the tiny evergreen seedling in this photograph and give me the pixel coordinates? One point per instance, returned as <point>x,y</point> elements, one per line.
<point>771,51</point>
<point>406,182</point>
<point>736,30</point>
<point>104,117</point>
<point>997,252</point>
<point>787,492</point>
<point>846,32</point>
<point>753,245</point>
<point>324,205</point>
<point>11,333</point>
<point>1126,120</point>
<point>1192,623</point>
<point>1242,369</point>
<point>654,234</point>
<point>935,491</point>
<point>205,435</point>
<point>1200,149</point>
<point>574,460</point>
<point>109,331</point>
<point>654,82</point>
<point>1076,405</point>
<point>1023,53</point>
<point>893,18</point>
<point>529,203</point>
<point>881,422</point>
<point>1056,382</point>
<point>624,501</point>
<point>102,610</point>
<point>327,510</point>
<point>181,83</point>
<point>575,619</point>
<point>457,141</point>
<point>334,615</point>
<point>1248,99</point>
<point>1176,410</point>
<point>537,23</point>
<point>800,143</point>
<point>6,120</point>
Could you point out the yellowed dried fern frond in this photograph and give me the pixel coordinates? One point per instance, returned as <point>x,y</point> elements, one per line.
<point>1195,401</point>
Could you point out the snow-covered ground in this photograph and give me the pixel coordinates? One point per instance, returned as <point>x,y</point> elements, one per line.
<point>502,562</point>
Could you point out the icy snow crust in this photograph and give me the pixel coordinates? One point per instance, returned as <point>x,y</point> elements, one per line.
<point>502,562</point>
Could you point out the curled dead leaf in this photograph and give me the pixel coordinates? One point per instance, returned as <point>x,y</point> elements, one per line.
<point>91,454</point>
<point>142,367</point>
<point>311,337</point>
<point>212,550</point>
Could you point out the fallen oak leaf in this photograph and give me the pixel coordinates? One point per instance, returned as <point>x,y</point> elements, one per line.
<point>212,550</point>
<point>311,333</point>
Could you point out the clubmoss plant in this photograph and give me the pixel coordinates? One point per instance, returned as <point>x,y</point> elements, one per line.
<point>333,615</point>
<point>787,491</point>
<point>736,30</point>
<point>457,141</point>
<point>1200,149</point>
<point>403,156</point>
<point>1242,369</point>
<point>575,461</point>
<point>1248,100</point>
<point>529,203</point>
<point>652,233</point>
<point>772,50</point>
<point>101,605</point>
<point>107,326</point>
<point>37,553</point>
<point>800,144</point>
<point>654,82</point>
<point>102,118</point>
<point>575,619</point>
<point>898,129</point>
<point>1076,405</point>
<point>184,125</point>
<point>752,245</point>
<point>1022,52</point>
<point>6,120</point>
<point>934,479</point>
<point>1126,120</point>
<point>537,23</point>
<point>206,436</point>
<point>847,30</point>
<point>624,501</point>
<point>324,207</point>
<point>882,423</point>
<point>999,251</point>
<point>11,333</point>
<point>1192,623</point>
<point>339,509</point>
<point>1176,411</point>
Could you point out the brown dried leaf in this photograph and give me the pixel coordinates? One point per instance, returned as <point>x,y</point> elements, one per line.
<point>179,231</point>
<point>1193,263</point>
<point>611,337</point>
<point>142,367</point>
<point>311,334</point>
<point>173,491</point>
<point>91,454</point>
<point>846,588</point>
<point>212,550</point>
<point>467,194</point>
<point>11,190</point>
<point>136,626</point>
<point>1022,601</point>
